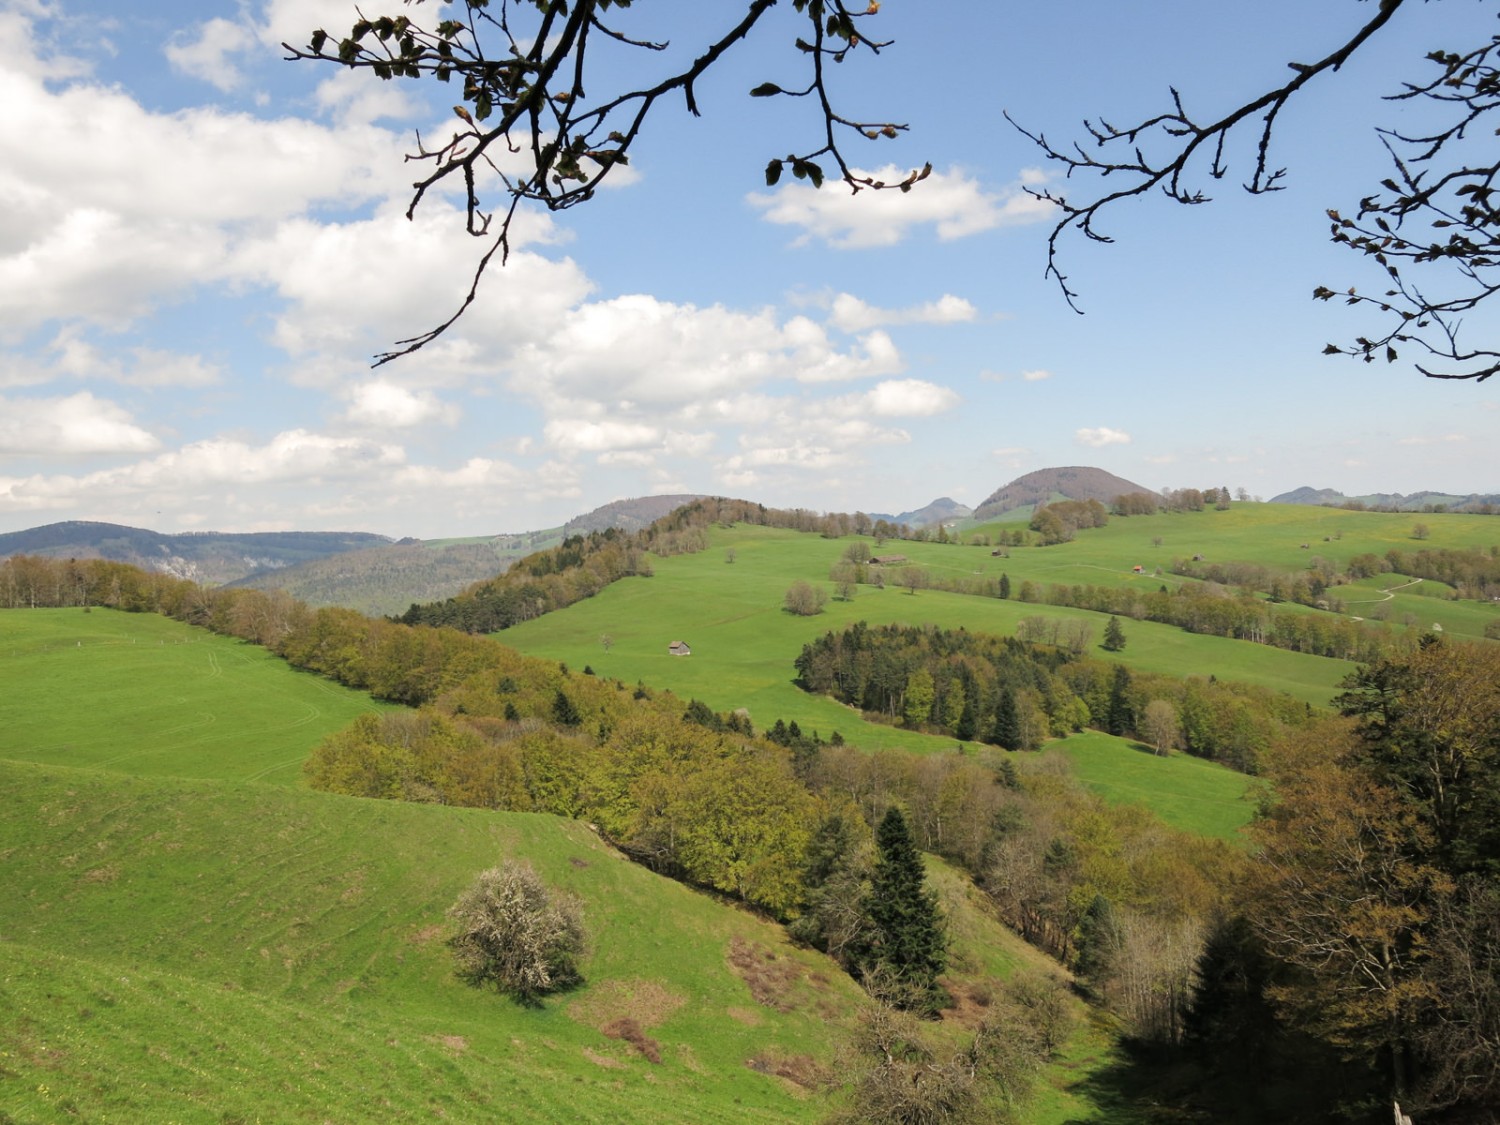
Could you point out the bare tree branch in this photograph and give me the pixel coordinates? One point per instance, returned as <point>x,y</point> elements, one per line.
<point>524,66</point>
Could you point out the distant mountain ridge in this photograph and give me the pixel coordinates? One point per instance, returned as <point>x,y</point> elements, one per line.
<point>629,515</point>
<point>1427,501</point>
<point>1071,482</point>
<point>942,510</point>
<point>212,557</point>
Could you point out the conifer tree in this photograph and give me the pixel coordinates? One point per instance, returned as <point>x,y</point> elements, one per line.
<point>906,946</point>
<point>1007,732</point>
<point>1114,635</point>
<point>1121,715</point>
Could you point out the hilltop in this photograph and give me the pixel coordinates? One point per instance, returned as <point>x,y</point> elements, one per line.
<point>942,510</point>
<point>1072,482</point>
<point>629,515</point>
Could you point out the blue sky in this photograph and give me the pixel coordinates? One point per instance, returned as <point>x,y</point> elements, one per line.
<point>202,246</point>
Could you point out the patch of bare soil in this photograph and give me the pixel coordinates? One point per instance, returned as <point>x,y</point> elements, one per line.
<point>631,1032</point>
<point>803,1074</point>
<point>646,1002</point>
<point>747,1016</point>
<point>772,977</point>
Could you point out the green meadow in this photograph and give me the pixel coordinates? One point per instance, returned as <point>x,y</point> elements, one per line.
<point>743,642</point>
<point>195,950</point>
<point>187,935</point>
<point>151,696</point>
<point>1188,793</point>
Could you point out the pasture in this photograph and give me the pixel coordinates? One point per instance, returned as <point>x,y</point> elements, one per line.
<point>146,695</point>
<point>1188,793</point>
<point>744,642</point>
<point>194,950</point>
<point>215,948</point>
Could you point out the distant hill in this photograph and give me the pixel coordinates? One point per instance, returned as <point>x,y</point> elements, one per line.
<point>387,580</point>
<point>1072,482</point>
<point>384,581</point>
<point>211,557</point>
<point>628,515</point>
<point>1484,503</point>
<point>942,510</point>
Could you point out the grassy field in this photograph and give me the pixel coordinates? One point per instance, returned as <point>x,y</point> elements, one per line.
<point>180,950</point>
<point>151,696</point>
<point>181,943</point>
<point>744,643</point>
<point>1186,792</point>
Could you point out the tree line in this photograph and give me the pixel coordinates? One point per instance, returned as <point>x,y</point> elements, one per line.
<point>1016,694</point>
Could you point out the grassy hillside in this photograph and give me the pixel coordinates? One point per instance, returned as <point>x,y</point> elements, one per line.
<point>1269,535</point>
<point>151,696</point>
<point>189,945</point>
<point>1186,792</point>
<point>743,642</point>
<point>214,951</point>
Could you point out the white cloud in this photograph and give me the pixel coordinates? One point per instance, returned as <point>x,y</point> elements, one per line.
<point>580,436</point>
<point>79,423</point>
<point>953,204</point>
<point>384,405</point>
<point>205,55</point>
<point>850,314</point>
<point>1036,376</point>
<point>73,356</point>
<point>907,398</point>
<point>139,206</point>
<point>1101,436</point>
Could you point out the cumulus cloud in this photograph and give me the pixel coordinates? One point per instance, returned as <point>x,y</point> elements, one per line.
<point>205,53</point>
<point>900,398</point>
<point>1100,436</point>
<point>79,423</point>
<point>850,314</point>
<point>1036,376</point>
<point>384,405</point>
<point>952,204</point>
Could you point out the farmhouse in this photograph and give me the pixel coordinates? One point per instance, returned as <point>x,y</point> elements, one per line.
<point>679,648</point>
<point>888,560</point>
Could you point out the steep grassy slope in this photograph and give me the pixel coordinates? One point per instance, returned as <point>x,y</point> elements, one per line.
<point>1186,792</point>
<point>209,950</point>
<point>151,696</point>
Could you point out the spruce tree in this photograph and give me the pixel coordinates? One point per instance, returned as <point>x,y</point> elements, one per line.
<point>1114,636</point>
<point>906,947</point>
<point>1007,732</point>
<point>1121,716</point>
<point>1004,585</point>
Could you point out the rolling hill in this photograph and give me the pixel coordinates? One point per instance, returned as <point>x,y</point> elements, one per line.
<point>1072,482</point>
